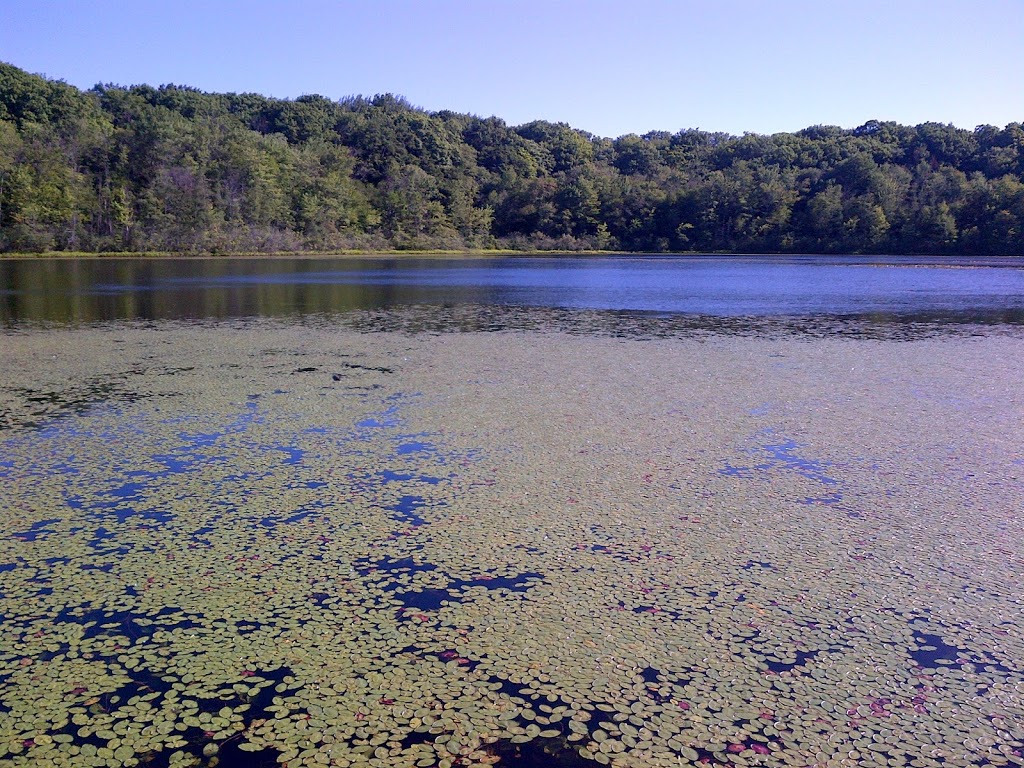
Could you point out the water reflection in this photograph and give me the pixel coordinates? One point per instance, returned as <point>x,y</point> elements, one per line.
<point>662,294</point>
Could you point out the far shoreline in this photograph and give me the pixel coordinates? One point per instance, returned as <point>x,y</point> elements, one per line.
<point>950,260</point>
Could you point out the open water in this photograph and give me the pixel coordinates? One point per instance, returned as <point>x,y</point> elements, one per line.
<point>884,289</point>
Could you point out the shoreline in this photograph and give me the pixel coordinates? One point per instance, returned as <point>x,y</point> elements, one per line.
<point>477,253</point>
<point>341,253</point>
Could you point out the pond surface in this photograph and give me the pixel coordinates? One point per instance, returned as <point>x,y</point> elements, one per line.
<point>887,290</point>
<point>643,513</point>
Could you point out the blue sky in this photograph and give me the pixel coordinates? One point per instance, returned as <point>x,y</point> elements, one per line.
<point>609,67</point>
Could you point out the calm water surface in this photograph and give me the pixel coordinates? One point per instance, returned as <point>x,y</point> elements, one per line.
<point>895,289</point>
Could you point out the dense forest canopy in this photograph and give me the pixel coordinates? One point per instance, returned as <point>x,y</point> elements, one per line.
<point>175,169</point>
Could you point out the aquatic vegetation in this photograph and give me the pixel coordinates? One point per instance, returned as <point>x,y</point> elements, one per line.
<point>510,548</point>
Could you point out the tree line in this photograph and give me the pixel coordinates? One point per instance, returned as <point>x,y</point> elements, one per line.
<point>172,168</point>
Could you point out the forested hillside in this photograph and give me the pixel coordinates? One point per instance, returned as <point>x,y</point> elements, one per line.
<point>175,169</point>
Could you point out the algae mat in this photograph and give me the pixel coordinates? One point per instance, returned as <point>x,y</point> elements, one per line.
<point>265,542</point>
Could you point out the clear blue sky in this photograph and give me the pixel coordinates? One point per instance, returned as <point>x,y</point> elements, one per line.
<point>607,66</point>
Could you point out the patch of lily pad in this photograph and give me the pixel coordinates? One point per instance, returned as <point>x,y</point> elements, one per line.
<point>324,547</point>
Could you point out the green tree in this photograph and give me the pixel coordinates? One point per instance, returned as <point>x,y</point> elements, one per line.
<point>10,153</point>
<point>823,224</point>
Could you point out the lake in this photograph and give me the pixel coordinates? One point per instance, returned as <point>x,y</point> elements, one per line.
<point>888,289</point>
<point>585,511</point>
